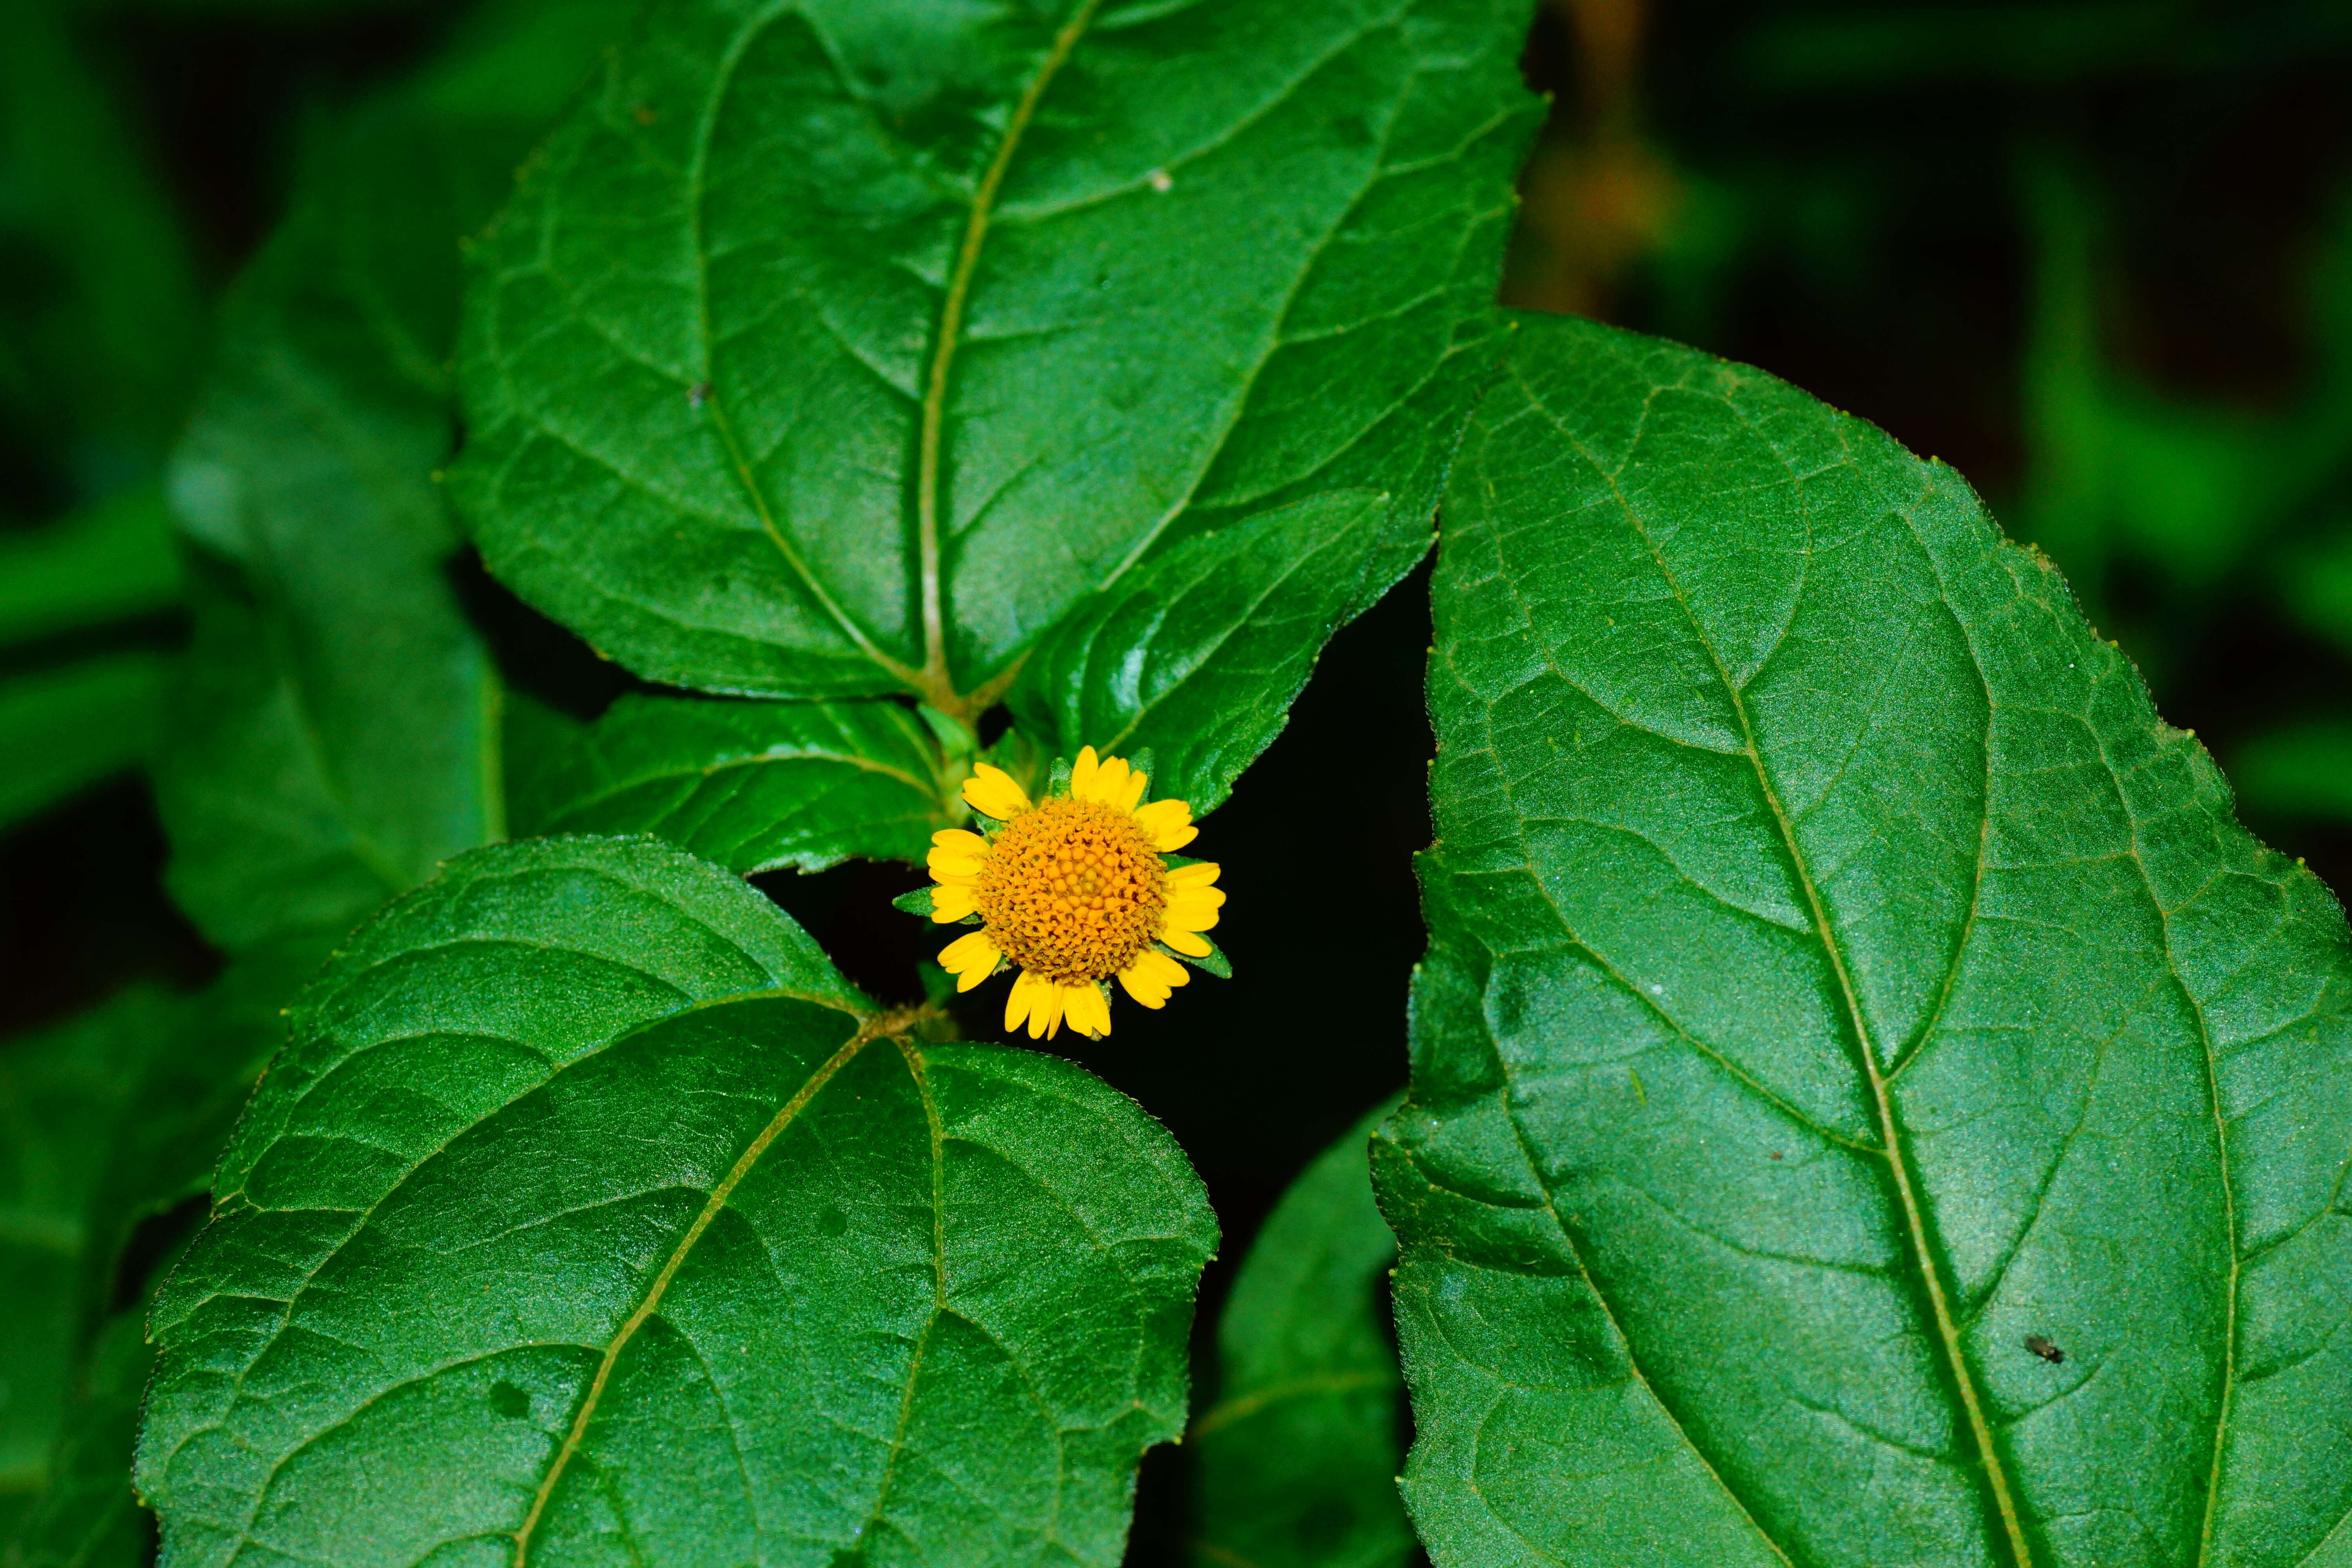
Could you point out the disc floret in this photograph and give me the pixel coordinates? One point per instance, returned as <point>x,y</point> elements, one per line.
<point>1073,890</point>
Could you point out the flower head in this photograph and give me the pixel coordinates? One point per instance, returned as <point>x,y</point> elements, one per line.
<point>1073,890</point>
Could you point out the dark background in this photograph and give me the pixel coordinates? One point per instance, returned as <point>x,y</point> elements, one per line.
<point>2096,255</point>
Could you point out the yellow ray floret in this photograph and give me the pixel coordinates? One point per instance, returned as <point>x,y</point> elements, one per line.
<point>972,959</point>
<point>991,793</point>
<point>1072,891</point>
<point>1151,977</point>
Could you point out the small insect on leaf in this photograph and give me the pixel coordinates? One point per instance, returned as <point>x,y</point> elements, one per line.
<point>2044,1349</point>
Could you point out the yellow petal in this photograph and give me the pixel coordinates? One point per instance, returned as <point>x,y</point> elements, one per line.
<point>1188,915</point>
<point>1045,1009</point>
<point>1136,781</point>
<point>952,866</point>
<point>952,902</point>
<point>1151,976</point>
<point>961,840</point>
<point>1111,782</point>
<point>1201,873</point>
<point>1017,1000</point>
<point>1082,774</point>
<point>1187,941</point>
<point>991,793</point>
<point>1166,970</point>
<point>1168,824</point>
<point>1084,1008</point>
<point>972,959</point>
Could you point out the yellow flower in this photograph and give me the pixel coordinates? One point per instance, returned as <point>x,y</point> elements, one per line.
<point>1072,891</point>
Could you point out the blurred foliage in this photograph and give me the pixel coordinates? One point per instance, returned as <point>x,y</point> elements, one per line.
<point>2098,255</point>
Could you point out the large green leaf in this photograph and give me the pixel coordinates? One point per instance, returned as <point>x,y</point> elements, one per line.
<point>589,1211</point>
<point>753,785</point>
<point>1297,1458</point>
<point>1846,999</point>
<point>338,736</point>
<point>835,349</point>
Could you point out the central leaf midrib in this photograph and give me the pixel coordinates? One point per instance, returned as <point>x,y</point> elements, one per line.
<point>872,1029</point>
<point>1924,1256</point>
<point>938,688</point>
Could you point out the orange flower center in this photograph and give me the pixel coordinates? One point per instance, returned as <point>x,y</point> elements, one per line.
<point>1072,891</point>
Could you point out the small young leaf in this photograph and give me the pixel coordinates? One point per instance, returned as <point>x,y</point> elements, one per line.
<point>1297,1458</point>
<point>1839,977</point>
<point>754,785</point>
<point>587,1199</point>
<point>917,903</point>
<point>859,396</point>
<point>1213,962</point>
<point>1199,654</point>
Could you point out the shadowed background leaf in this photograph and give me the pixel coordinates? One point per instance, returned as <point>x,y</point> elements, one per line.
<point>1298,1455</point>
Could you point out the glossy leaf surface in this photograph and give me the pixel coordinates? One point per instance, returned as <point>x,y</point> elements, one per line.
<point>590,1211</point>
<point>1872,1104</point>
<point>1199,654</point>
<point>830,348</point>
<point>753,785</point>
<point>1297,1458</point>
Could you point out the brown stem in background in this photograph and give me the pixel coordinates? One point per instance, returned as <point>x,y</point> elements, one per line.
<point>1596,196</point>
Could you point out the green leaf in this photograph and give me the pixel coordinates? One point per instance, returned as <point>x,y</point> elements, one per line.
<point>63,729</point>
<point>1213,962</point>
<point>1297,1459</point>
<point>89,1518</point>
<point>338,736</point>
<point>59,1094</point>
<point>1840,982</point>
<point>862,346</point>
<point>127,1119</point>
<point>179,1108</point>
<point>103,314</point>
<point>109,564</point>
<point>1199,654</point>
<point>754,785</point>
<point>588,1204</point>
